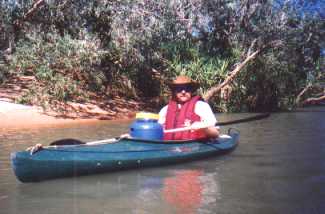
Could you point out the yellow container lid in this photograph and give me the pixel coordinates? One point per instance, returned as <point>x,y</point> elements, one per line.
<point>147,116</point>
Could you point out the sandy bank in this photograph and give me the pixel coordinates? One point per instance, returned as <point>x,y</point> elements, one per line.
<point>21,116</point>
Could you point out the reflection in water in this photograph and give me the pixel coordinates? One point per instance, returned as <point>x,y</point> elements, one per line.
<point>147,191</point>
<point>184,190</point>
<point>278,167</point>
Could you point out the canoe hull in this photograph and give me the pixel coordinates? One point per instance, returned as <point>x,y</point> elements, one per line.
<point>78,160</point>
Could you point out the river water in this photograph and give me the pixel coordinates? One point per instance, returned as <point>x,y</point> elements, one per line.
<point>279,167</point>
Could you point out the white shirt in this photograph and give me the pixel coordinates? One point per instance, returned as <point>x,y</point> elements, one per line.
<point>202,109</point>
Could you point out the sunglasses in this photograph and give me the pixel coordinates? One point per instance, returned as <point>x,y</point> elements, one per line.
<point>180,88</point>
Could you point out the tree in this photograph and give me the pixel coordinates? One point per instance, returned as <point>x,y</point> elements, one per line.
<point>260,50</point>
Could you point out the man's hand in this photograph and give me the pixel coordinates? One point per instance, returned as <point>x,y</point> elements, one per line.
<point>126,135</point>
<point>34,149</point>
<point>200,125</point>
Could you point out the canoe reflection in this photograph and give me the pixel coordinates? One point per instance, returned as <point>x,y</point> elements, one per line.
<point>168,190</point>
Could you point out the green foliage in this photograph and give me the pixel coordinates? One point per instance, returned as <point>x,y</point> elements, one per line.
<point>61,66</point>
<point>130,48</point>
<point>205,69</point>
<point>186,58</point>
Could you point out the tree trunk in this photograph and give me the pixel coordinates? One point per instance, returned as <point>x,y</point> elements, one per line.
<point>216,89</point>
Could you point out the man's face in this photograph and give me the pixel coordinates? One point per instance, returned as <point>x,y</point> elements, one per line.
<point>183,93</point>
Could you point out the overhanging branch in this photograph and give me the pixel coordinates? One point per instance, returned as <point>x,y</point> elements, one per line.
<point>37,4</point>
<point>231,77</point>
<point>249,57</point>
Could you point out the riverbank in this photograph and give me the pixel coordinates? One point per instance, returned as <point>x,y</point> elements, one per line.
<point>19,116</point>
<point>98,108</point>
<point>22,116</point>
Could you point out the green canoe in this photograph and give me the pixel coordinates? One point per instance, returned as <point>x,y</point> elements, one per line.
<point>73,160</point>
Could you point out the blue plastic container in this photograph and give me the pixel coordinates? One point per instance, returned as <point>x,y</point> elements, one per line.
<point>146,126</point>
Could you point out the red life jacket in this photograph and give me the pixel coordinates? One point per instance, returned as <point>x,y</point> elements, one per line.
<point>177,117</point>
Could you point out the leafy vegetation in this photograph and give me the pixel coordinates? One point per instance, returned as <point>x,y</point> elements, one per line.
<point>62,68</point>
<point>75,49</point>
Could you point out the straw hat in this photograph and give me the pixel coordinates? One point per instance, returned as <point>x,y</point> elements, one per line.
<point>183,80</point>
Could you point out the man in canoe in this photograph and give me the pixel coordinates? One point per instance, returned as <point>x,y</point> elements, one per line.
<point>185,109</point>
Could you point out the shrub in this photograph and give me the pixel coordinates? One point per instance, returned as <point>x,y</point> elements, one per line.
<point>63,67</point>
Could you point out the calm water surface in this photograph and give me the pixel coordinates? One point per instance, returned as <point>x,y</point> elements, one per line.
<point>279,167</point>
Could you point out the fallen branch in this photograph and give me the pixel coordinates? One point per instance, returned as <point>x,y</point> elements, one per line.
<point>38,4</point>
<point>314,100</point>
<point>249,57</point>
<point>231,77</point>
<point>35,7</point>
<point>302,93</point>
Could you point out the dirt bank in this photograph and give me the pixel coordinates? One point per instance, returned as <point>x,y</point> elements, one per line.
<point>96,109</point>
<point>17,116</point>
<point>21,116</point>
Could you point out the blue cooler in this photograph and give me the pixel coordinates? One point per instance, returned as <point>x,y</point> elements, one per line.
<point>146,126</point>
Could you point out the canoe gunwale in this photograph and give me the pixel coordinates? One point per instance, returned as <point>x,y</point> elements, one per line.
<point>230,132</point>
